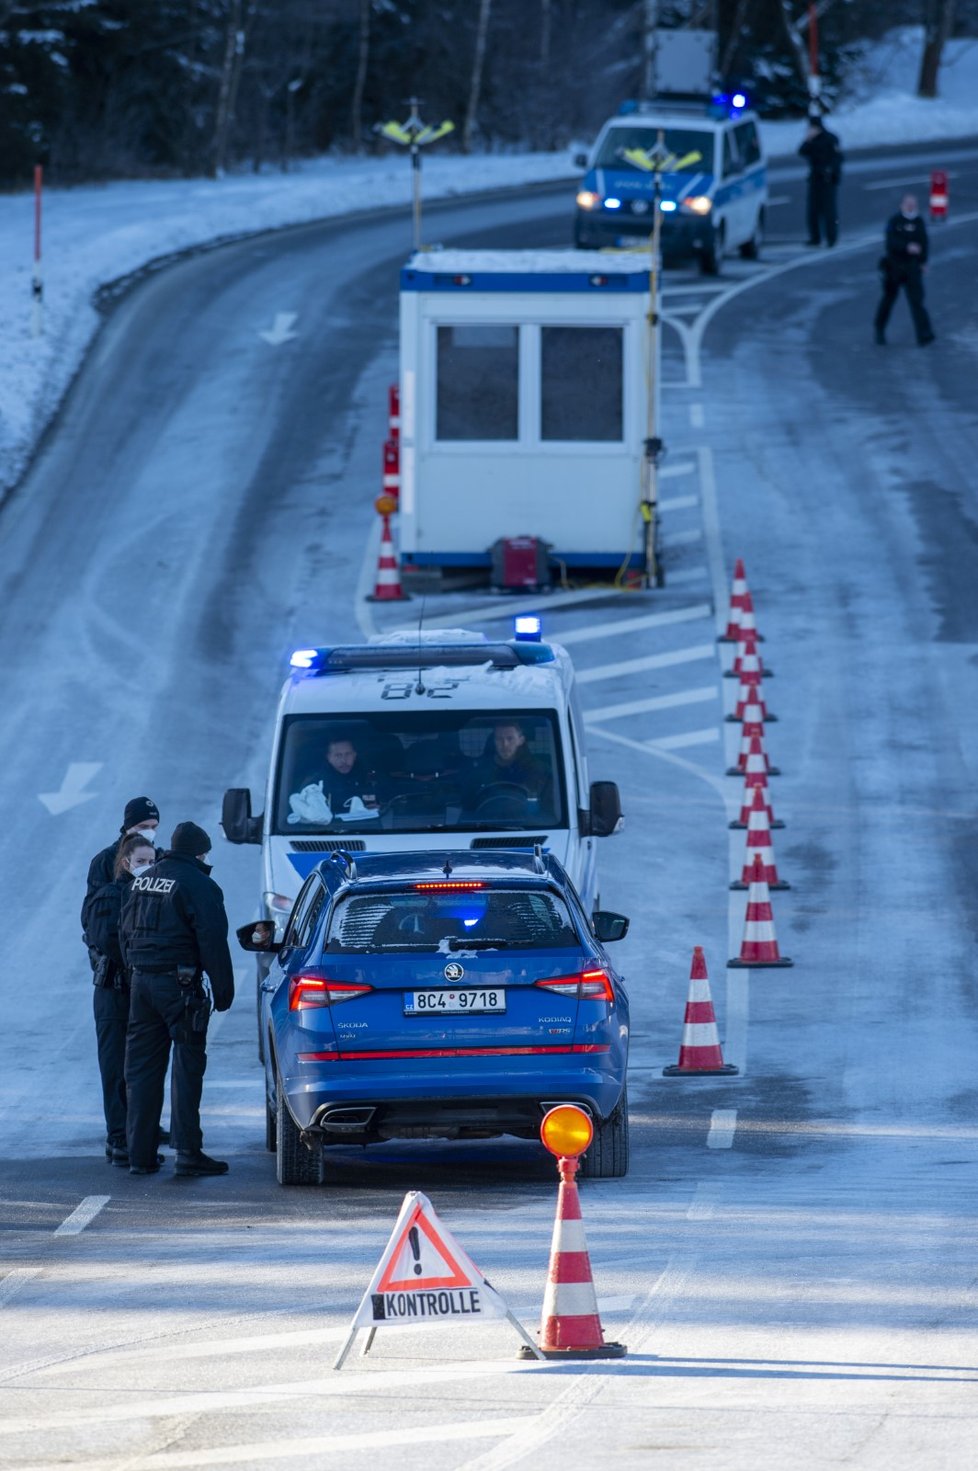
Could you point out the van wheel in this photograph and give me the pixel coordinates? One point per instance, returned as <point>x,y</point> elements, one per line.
<point>711,257</point>
<point>607,1157</point>
<point>751,249</point>
<point>295,1164</point>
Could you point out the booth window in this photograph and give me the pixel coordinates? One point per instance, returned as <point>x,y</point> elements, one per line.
<point>581,383</point>
<point>478,382</point>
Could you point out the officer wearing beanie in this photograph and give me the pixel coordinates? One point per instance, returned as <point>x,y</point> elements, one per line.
<point>172,931</point>
<point>141,816</point>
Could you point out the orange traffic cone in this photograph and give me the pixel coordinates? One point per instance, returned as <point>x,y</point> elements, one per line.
<point>570,1327</point>
<point>760,946</point>
<point>731,634</point>
<point>759,844</point>
<point>747,803</point>
<point>752,758</point>
<point>747,666</point>
<point>699,1051</point>
<point>387,588</point>
<point>750,706</point>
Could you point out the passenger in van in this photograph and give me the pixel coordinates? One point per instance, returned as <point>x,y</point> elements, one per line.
<point>507,761</point>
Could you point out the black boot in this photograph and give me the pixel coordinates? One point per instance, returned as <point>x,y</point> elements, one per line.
<point>200,1164</point>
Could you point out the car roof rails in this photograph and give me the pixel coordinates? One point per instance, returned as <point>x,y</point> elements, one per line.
<point>346,861</point>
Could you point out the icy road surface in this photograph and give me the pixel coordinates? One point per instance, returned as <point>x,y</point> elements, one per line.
<point>791,1260</point>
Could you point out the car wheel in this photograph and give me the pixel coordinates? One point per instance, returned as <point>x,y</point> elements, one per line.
<point>261,1034</point>
<point>295,1164</point>
<point>607,1157</point>
<point>271,1128</point>
<point>711,257</point>
<point>751,249</point>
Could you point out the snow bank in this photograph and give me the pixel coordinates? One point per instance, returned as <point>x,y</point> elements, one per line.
<point>94,235</point>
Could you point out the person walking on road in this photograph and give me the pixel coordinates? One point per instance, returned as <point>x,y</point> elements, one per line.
<point>100,918</point>
<point>173,930</point>
<point>824,157</point>
<point>903,266</point>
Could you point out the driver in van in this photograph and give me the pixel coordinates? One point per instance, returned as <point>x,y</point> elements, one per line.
<point>345,776</point>
<point>507,761</point>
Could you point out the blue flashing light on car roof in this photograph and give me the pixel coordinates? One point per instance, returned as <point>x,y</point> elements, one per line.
<point>304,658</point>
<point>528,628</point>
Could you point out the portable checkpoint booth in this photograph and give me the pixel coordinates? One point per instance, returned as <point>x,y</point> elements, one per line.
<point>523,405</point>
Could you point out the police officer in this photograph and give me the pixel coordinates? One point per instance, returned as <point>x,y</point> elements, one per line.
<point>141,816</point>
<point>903,266</point>
<point>824,156</point>
<point>173,929</point>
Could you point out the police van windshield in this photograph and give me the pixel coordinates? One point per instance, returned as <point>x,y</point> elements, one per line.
<point>681,143</point>
<point>430,771</point>
<point>492,919</point>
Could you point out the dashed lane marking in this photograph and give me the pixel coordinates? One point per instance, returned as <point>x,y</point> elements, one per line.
<point>683,538</point>
<point>651,661</point>
<point>704,1203</point>
<point>635,625</point>
<point>912,177</point>
<point>506,607</point>
<point>82,1215</point>
<point>707,737</point>
<point>679,503</point>
<point>11,1284</point>
<point>656,702</point>
<point>669,472</point>
<point>723,1124</point>
<point>697,416</point>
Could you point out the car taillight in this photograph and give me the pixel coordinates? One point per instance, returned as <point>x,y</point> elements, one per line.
<point>590,985</point>
<point>306,992</point>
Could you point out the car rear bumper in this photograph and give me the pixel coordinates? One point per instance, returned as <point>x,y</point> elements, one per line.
<point>450,1099</point>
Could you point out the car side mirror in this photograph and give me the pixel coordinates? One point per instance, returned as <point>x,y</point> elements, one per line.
<point>604,810</point>
<point>259,935</point>
<point>237,823</point>
<point>580,160</point>
<point>609,927</point>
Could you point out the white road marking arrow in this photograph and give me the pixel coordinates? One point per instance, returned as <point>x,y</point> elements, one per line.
<point>282,330</point>
<point>72,792</point>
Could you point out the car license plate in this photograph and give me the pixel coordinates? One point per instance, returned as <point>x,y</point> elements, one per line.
<point>471,998</point>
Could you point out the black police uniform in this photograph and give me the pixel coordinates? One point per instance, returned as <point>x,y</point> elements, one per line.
<point>824,157</point>
<point>173,928</point>
<point>902,268</point>
<point>100,918</point>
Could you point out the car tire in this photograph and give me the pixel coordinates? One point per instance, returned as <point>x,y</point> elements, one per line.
<point>711,257</point>
<point>607,1157</point>
<point>271,1128</point>
<point>261,1033</point>
<point>295,1164</point>
<point>751,249</point>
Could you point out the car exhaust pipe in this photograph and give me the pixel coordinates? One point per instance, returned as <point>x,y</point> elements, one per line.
<point>346,1120</point>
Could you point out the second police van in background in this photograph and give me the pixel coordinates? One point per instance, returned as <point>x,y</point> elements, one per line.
<point>449,740</point>
<point>714,184</point>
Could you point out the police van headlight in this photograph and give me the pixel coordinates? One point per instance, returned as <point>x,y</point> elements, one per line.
<point>587,199</point>
<point>697,204</point>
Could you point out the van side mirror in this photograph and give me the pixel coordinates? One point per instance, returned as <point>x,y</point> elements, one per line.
<point>260,935</point>
<point>237,822</point>
<point>580,160</point>
<point>609,927</point>
<point>604,810</point>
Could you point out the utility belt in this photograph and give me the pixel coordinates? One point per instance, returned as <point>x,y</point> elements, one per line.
<point>108,974</point>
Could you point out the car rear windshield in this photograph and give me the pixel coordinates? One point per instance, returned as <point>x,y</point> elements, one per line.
<point>480,919</point>
<point>420,772</point>
<point>679,142</point>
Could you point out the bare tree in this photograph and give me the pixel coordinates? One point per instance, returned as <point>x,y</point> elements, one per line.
<point>650,22</point>
<point>545,22</point>
<point>938,23</point>
<point>475,86</point>
<point>737,24</point>
<point>363,60</point>
<point>234,49</point>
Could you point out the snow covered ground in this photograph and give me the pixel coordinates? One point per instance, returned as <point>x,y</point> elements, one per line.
<point>96,234</point>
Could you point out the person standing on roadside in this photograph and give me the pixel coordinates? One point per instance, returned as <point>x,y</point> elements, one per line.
<point>173,930</point>
<point>823,155</point>
<point>111,996</point>
<point>903,267</point>
<point>142,818</point>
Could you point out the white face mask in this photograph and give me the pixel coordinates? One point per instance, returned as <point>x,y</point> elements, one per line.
<point>149,833</point>
<point>139,868</point>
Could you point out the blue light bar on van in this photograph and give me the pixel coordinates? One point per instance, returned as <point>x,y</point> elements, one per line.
<point>364,658</point>
<point>738,100</point>
<point>527,627</point>
<point>305,658</point>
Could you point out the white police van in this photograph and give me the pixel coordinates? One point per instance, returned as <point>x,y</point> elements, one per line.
<point>713,183</point>
<point>442,739</point>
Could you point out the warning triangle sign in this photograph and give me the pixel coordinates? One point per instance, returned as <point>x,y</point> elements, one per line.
<point>425,1277</point>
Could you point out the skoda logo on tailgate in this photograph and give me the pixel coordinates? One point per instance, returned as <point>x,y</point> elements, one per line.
<point>454,971</point>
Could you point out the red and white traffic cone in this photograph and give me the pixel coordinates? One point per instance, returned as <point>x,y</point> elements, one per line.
<point>747,803</point>
<point>750,707</point>
<point>570,1327</point>
<point>759,844</point>
<point>748,622</point>
<point>391,478</point>
<point>752,761</point>
<point>387,588</point>
<point>700,1051</point>
<point>759,947</point>
<point>394,411</point>
<point>747,666</point>
<point>939,194</point>
<point>731,633</point>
